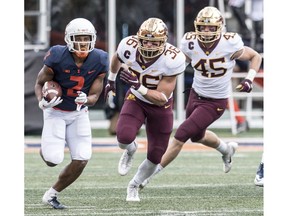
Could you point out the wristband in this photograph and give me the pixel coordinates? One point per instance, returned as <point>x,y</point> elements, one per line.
<point>142,90</point>
<point>112,76</point>
<point>251,74</point>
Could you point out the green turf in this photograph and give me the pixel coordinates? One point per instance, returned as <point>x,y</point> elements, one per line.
<point>255,132</point>
<point>193,185</point>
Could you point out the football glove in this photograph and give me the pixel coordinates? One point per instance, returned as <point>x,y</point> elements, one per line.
<point>110,100</point>
<point>43,104</point>
<point>81,99</point>
<point>245,86</point>
<point>130,78</point>
<point>110,87</point>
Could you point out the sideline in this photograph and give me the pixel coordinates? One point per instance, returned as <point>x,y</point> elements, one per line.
<point>108,144</point>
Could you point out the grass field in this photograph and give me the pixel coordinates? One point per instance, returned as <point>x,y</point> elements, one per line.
<point>193,185</point>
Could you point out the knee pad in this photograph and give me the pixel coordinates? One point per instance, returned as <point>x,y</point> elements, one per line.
<point>53,159</point>
<point>126,134</point>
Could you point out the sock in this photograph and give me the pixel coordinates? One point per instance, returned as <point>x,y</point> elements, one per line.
<point>53,192</point>
<point>145,170</point>
<point>159,168</point>
<point>223,147</point>
<point>131,148</point>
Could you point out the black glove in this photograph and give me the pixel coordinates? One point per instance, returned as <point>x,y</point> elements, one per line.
<point>130,78</point>
<point>110,86</point>
<point>245,86</point>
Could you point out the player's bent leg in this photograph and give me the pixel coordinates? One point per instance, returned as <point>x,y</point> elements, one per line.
<point>47,162</point>
<point>210,139</point>
<point>172,152</point>
<point>53,141</point>
<point>125,162</point>
<point>69,174</point>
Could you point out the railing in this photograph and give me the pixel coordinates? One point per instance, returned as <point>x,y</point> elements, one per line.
<point>249,112</point>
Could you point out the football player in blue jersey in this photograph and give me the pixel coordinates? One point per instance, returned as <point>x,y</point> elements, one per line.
<point>80,70</point>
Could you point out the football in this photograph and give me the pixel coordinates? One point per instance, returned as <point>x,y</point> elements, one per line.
<point>50,90</point>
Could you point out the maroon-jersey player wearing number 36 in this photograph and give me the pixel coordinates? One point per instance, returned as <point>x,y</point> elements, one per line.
<point>212,53</point>
<point>150,65</point>
<point>80,69</point>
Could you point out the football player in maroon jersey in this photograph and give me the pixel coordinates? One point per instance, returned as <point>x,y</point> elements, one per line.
<point>150,65</point>
<point>212,52</point>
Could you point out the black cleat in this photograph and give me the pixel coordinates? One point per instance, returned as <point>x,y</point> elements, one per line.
<point>52,201</point>
<point>55,203</point>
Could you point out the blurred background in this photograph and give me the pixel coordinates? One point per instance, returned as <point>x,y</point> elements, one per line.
<point>44,26</point>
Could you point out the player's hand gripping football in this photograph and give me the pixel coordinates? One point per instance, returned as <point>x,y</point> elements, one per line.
<point>245,86</point>
<point>130,78</point>
<point>43,104</point>
<point>81,99</point>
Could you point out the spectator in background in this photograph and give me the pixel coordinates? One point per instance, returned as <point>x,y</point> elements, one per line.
<point>257,19</point>
<point>238,10</point>
<point>256,16</point>
<point>80,70</point>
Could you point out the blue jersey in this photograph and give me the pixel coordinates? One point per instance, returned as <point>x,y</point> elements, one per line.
<point>73,78</point>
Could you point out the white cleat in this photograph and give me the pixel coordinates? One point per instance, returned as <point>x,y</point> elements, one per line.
<point>132,194</point>
<point>227,159</point>
<point>258,181</point>
<point>125,162</point>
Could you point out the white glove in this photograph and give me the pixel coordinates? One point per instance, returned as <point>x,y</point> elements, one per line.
<point>81,99</point>
<point>43,104</point>
<point>110,100</point>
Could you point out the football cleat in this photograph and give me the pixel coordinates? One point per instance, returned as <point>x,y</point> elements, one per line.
<point>51,200</point>
<point>227,158</point>
<point>259,178</point>
<point>132,194</point>
<point>125,162</point>
<point>258,181</point>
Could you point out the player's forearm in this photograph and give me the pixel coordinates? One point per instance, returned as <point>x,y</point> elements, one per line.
<point>114,66</point>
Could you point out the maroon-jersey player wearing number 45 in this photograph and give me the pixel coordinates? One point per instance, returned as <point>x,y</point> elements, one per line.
<point>150,66</point>
<point>80,69</point>
<point>212,53</point>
